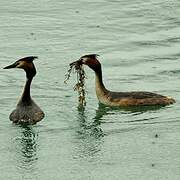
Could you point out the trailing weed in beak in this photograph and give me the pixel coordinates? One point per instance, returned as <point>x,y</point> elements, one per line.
<point>77,66</point>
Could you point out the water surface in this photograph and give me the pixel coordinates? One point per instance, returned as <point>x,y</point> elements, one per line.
<point>139,44</point>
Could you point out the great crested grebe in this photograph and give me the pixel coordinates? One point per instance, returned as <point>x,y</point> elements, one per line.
<point>27,111</point>
<point>134,98</point>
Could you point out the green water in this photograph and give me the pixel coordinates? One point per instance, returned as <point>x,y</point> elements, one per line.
<point>139,44</point>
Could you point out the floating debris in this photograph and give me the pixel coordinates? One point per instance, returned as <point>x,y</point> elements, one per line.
<point>77,68</point>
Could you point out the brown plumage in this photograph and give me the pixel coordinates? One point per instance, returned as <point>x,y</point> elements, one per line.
<point>27,111</point>
<point>136,98</point>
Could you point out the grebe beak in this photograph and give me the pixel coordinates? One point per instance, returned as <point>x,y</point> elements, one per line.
<point>11,66</point>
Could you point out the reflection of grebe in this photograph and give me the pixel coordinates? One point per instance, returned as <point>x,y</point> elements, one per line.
<point>121,98</point>
<point>87,128</point>
<point>27,111</point>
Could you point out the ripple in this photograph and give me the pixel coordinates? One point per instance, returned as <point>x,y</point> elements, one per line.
<point>163,42</point>
<point>172,72</point>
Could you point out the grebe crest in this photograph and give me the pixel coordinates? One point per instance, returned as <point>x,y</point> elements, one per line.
<point>134,98</point>
<point>90,60</point>
<point>27,111</point>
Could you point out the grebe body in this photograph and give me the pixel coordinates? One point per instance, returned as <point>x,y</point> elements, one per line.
<point>27,111</point>
<point>136,98</point>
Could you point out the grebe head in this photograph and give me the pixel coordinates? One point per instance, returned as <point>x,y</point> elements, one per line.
<point>25,63</point>
<point>90,60</point>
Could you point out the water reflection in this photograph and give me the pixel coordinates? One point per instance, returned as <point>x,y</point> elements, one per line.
<point>26,149</point>
<point>89,136</point>
<point>90,133</point>
<point>134,110</point>
<point>131,116</point>
<point>91,127</point>
<point>28,144</point>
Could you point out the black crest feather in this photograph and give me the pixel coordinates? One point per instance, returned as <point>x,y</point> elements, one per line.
<point>29,58</point>
<point>90,56</point>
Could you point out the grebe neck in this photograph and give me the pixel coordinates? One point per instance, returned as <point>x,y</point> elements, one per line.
<point>100,88</point>
<point>26,95</point>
